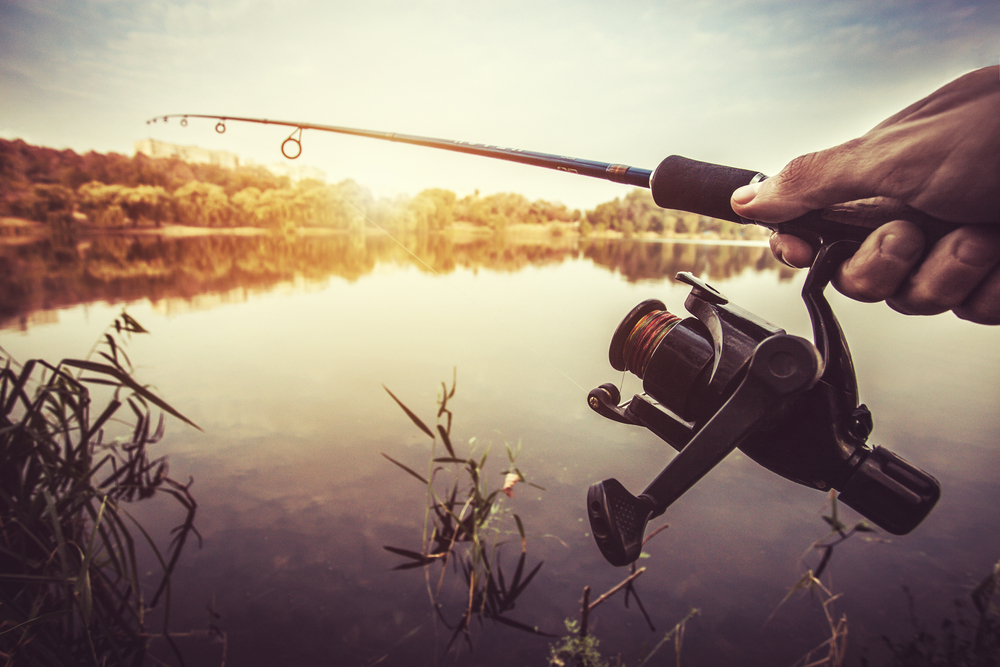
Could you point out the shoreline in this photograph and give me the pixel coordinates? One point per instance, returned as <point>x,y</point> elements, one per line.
<point>20,231</point>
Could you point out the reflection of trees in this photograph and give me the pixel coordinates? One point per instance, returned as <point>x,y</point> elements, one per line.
<point>118,267</point>
<point>639,260</point>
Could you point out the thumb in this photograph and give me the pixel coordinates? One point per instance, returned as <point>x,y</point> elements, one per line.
<point>807,183</point>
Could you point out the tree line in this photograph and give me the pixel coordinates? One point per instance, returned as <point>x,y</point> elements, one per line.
<point>65,190</point>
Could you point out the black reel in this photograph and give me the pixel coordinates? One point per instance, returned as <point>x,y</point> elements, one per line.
<point>725,379</point>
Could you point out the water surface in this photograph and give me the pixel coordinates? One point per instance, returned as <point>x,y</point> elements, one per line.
<point>278,349</point>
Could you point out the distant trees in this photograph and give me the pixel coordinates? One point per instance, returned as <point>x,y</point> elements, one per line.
<point>114,191</point>
<point>203,205</point>
<point>497,211</point>
<point>637,213</point>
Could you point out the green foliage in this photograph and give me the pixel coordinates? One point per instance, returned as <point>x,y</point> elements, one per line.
<point>45,202</point>
<point>580,648</point>
<point>118,205</point>
<point>71,590</point>
<point>203,205</point>
<point>576,650</point>
<point>114,191</point>
<point>637,213</point>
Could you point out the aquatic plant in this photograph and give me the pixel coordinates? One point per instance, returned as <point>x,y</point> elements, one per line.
<point>962,642</point>
<point>831,652</point>
<point>71,590</point>
<point>465,524</point>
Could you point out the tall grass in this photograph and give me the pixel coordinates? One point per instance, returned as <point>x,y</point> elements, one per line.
<point>71,589</point>
<point>465,525</point>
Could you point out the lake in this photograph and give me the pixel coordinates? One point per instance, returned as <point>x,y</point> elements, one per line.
<point>278,348</point>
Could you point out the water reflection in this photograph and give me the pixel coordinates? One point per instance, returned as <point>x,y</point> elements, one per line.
<point>40,276</point>
<point>295,502</point>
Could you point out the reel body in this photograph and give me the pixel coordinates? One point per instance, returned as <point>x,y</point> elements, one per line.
<point>725,378</point>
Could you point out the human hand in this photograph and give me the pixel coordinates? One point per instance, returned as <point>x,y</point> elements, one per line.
<point>941,156</point>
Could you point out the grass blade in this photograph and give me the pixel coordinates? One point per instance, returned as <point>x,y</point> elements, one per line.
<point>127,381</point>
<point>409,470</point>
<point>446,439</point>
<point>409,413</point>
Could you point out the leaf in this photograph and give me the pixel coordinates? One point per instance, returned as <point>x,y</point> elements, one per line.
<point>446,439</point>
<point>411,566</point>
<point>520,529</point>
<point>512,478</point>
<point>806,582</point>
<point>417,475</point>
<point>131,325</point>
<point>522,626</point>
<point>17,390</point>
<point>834,523</point>
<point>415,419</point>
<point>407,553</point>
<point>531,575</point>
<point>126,380</point>
<point>444,400</point>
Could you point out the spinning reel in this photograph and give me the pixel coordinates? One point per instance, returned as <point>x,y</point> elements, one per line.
<point>725,379</point>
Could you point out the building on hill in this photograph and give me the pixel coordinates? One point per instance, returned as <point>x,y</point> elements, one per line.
<point>192,154</point>
<point>198,155</point>
<point>296,172</point>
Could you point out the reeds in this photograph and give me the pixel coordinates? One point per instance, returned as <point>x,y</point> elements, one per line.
<point>466,523</point>
<point>70,581</point>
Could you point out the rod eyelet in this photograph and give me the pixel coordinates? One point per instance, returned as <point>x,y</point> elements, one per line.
<point>298,148</point>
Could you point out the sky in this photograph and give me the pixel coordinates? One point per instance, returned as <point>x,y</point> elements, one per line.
<point>749,84</point>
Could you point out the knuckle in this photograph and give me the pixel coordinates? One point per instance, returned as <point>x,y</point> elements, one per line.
<point>807,174</point>
<point>798,172</point>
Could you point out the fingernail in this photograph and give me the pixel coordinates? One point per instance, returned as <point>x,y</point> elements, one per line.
<point>902,247</point>
<point>746,194</point>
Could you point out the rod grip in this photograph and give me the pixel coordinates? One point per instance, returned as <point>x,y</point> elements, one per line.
<point>698,187</point>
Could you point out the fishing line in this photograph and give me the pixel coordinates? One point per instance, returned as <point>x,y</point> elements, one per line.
<point>642,341</point>
<point>460,291</point>
<point>644,337</point>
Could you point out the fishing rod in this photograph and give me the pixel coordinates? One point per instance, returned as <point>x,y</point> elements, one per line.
<point>678,182</point>
<point>724,378</point>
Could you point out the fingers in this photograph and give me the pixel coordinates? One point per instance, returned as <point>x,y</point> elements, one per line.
<point>960,272</point>
<point>881,266</point>
<point>983,305</point>
<point>791,250</point>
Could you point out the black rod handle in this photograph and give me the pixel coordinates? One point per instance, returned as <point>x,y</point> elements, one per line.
<point>684,184</point>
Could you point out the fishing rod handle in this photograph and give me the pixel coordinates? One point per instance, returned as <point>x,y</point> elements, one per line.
<point>701,187</point>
